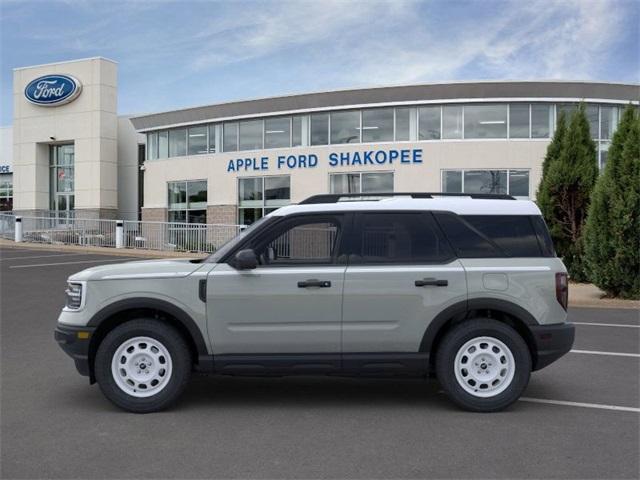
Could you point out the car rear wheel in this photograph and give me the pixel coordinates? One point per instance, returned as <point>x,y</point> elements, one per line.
<point>143,365</point>
<point>483,365</point>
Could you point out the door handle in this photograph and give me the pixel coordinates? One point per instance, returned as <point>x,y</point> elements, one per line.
<point>314,283</point>
<point>431,282</point>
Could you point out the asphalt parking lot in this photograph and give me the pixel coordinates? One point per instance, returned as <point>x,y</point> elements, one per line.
<point>54,425</point>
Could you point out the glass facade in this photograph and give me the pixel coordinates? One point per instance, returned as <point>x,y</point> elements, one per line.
<point>61,179</point>
<point>258,196</point>
<point>429,123</point>
<point>403,124</point>
<point>277,132</point>
<point>345,127</point>
<point>187,201</point>
<point>377,125</point>
<point>361,182</point>
<point>509,182</point>
<point>452,121</point>
<point>6,192</point>
<point>485,121</point>
<point>384,124</point>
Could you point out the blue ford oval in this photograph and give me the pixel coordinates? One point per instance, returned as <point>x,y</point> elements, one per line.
<point>52,90</point>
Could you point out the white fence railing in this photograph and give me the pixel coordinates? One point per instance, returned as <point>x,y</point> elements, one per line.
<point>69,231</point>
<point>7,226</point>
<point>166,236</point>
<point>191,237</point>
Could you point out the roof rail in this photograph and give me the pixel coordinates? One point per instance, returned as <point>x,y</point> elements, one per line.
<point>337,197</point>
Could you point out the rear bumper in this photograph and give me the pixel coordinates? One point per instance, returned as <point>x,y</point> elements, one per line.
<point>552,342</point>
<point>75,345</point>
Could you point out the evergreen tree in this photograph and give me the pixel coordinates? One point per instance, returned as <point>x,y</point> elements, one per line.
<point>543,195</point>
<point>566,189</point>
<point>612,233</point>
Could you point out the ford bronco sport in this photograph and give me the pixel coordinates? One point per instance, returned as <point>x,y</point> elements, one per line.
<point>466,287</point>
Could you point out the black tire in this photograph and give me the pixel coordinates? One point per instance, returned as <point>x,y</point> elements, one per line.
<point>172,341</point>
<point>455,339</point>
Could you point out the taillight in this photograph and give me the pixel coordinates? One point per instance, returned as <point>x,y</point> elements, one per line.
<point>562,289</point>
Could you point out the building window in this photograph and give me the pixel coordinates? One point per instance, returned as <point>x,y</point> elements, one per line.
<point>197,140</point>
<point>296,131</point>
<point>541,120</point>
<point>188,201</point>
<point>320,129</point>
<point>277,132</point>
<point>377,125</point>
<point>345,127</point>
<point>510,182</point>
<point>230,137</point>
<point>152,146</point>
<point>485,121</point>
<point>452,121</point>
<point>592,113</point>
<point>6,192</point>
<point>251,135</point>
<point>519,120</point>
<point>608,122</point>
<point>163,144</point>
<point>429,123</point>
<point>178,142</point>
<point>212,138</point>
<point>259,196</point>
<point>359,182</point>
<point>403,124</point>
<point>62,175</point>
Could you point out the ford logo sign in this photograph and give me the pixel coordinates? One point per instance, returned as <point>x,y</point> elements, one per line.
<point>53,90</point>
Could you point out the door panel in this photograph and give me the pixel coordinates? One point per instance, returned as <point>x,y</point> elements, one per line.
<point>290,303</point>
<point>384,311</point>
<point>265,311</point>
<point>402,274</point>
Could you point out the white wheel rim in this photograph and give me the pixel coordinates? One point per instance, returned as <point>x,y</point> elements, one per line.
<point>484,367</point>
<point>141,367</point>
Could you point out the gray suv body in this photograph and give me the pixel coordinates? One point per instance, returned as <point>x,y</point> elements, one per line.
<point>464,287</point>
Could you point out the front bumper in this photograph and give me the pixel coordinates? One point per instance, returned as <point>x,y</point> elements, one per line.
<point>75,343</point>
<point>552,342</point>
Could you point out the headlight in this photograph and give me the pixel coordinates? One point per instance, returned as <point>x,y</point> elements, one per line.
<point>74,293</point>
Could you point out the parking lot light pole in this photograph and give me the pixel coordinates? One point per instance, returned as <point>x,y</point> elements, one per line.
<point>18,230</point>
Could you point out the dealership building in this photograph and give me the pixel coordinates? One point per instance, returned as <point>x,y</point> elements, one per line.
<point>70,152</point>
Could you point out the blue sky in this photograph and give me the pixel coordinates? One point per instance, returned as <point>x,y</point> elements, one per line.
<point>178,54</point>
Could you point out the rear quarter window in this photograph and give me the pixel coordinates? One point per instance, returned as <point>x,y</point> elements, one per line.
<point>513,234</point>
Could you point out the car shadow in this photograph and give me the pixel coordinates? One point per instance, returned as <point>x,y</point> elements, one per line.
<point>310,392</point>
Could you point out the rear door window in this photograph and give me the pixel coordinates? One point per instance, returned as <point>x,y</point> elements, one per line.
<point>399,238</point>
<point>467,241</point>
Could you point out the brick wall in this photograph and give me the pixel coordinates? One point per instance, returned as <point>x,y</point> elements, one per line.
<point>223,214</point>
<point>154,214</point>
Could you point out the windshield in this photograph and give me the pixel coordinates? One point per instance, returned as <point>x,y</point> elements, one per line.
<point>231,244</point>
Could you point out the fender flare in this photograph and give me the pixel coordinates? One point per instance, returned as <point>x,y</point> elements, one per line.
<point>153,303</point>
<point>460,310</point>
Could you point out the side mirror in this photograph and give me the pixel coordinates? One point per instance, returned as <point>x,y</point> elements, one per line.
<point>245,260</point>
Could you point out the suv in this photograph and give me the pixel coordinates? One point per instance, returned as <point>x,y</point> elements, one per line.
<point>465,287</point>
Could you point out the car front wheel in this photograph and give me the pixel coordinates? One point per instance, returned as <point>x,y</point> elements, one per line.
<point>143,365</point>
<point>483,365</point>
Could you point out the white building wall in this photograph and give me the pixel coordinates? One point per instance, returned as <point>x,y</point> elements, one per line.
<point>426,176</point>
<point>128,169</point>
<point>90,122</point>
